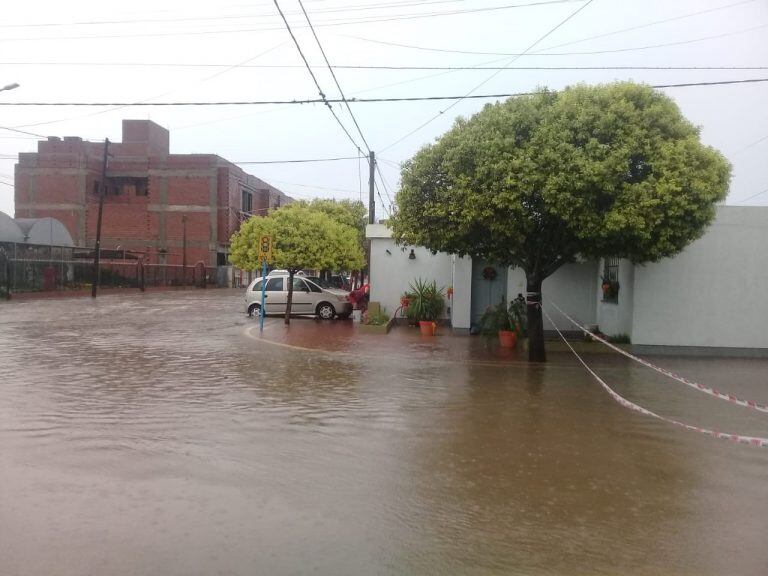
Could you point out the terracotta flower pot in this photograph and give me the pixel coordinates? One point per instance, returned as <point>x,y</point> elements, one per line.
<point>507,338</point>
<point>427,327</point>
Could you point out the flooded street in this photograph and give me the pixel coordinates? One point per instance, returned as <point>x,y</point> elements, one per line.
<point>156,434</point>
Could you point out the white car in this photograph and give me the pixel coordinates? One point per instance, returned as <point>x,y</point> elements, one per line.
<point>308,298</point>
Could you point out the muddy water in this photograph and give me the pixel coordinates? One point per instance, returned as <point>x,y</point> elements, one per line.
<point>152,435</point>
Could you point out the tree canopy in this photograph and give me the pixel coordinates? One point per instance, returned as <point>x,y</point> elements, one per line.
<point>541,180</point>
<point>302,238</point>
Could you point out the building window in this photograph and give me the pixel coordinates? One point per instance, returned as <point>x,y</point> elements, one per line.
<point>142,186</point>
<point>246,201</point>
<point>610,280</point>
<point>221,258</point>
<point>96,187</point>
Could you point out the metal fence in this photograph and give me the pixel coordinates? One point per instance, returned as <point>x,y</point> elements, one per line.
<point>35,268</point>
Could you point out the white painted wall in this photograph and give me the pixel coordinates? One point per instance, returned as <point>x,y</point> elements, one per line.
<point>616,318</point>
<point>392,273</point>
<point>714,292</point>
<point>461,305</point>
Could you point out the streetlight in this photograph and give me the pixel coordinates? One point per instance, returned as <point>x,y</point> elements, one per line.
<point>9,86</point>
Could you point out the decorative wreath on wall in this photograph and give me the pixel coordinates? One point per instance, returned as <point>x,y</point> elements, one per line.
<point>489,273</point>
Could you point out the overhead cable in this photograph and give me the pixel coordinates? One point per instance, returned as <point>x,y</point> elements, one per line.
<point>748,198</point>
<point>323,23</point>
<point>374,67</point>
<point>581,53</point>
<point>489,78</point>
<point>303,160</point>
<point>327,101</point>
<point>649,24</point>
<point>314,79</point>
<point>333,75</point>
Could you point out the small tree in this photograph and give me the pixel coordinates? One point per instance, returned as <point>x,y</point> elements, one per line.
<point>542,180</point>
<point>302,238</point>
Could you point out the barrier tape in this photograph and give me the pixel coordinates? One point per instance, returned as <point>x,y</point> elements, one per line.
<point>735,438</point>
<point>695,385</point>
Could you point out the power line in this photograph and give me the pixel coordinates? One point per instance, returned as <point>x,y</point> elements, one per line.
<point>348,8</point>
<point>314,79</point>
<point>315,187</point>
<point>537,54</point>
<point>384,183</point>
<point>489,78</point>
<point>649,24</point>
<point>383,204</point>
<point>22,131</point>
<point>748,198</point>
<point>376,67</point>
<point>323,23</point>
<point>328,101</point>
<point>303,160</point>
<point>752,144</point>
<point>333,74</point>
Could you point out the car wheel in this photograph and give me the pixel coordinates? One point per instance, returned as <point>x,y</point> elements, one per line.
<point>254,310</point>
<point>326,311</point>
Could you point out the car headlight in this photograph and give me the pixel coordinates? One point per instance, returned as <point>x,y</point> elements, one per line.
<point>342,298</point>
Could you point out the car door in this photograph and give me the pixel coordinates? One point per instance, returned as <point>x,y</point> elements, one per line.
<point>276,295</point>
<point>302,302</point>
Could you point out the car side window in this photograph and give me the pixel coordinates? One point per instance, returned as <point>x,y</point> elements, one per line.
<point>314,287</point>
<point>256,287</point>
<point>299,285</point>
<point>275,285</point>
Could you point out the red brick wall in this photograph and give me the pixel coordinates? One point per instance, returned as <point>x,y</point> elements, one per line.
<point>54,175</point>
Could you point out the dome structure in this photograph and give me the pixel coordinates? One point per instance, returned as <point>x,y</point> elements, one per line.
<point>10,231</point>
<point>45,231</point>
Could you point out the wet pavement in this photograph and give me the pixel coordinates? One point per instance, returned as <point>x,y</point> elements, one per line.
<point>160,434</point>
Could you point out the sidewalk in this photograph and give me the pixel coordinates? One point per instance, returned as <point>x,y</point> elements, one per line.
<point>344,337</point>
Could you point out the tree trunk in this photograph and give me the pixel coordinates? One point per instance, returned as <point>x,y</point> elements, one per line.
<point>536,351</point>
<point>290,298</point>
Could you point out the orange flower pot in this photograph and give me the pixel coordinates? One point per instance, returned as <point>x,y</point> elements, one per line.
<point>427,327</point>
<point>507,339</point>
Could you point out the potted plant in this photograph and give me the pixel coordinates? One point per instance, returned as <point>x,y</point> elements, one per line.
<point>425,305</point>
<point>506,322</point>
<point>496,321</point>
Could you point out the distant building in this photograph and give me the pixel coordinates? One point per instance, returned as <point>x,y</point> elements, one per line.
<point>152,196</point>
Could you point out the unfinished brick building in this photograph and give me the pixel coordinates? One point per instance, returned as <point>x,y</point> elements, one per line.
<point>151,198</point>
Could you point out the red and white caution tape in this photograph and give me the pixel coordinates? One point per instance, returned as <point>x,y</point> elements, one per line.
<point>736,438</point>
<point>695,385</point>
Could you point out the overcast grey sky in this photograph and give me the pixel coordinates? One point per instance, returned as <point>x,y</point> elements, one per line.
<point>155,51</point>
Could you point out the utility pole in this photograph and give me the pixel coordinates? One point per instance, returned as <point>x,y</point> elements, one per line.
<point>371,185</point>
<point>371,210</point>
<point>184,249</point>
<point>97,251</point>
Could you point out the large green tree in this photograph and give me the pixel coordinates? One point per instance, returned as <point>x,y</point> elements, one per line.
<point>302,238</point>
<point>541,180</point>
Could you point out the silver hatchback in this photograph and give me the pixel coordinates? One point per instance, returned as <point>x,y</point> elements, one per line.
<point>308,298</point>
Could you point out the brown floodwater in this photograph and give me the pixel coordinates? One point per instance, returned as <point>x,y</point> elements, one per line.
<point>157,434</point>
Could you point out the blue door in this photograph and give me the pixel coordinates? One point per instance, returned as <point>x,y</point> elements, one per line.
<point>489,286</point>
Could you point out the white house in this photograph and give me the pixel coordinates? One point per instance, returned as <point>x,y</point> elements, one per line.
<point>710,298</point>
